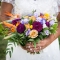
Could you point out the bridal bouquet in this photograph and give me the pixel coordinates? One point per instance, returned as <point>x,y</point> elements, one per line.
<point>29,28</point>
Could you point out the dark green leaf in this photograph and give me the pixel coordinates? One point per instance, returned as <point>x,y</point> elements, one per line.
<point>12,49</point>
<point>10,53</point>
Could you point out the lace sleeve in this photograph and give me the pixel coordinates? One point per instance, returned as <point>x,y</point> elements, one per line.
<point>9,1</point>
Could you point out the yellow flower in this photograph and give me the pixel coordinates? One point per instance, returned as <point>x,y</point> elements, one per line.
<point>31,26</point>
<point>33,33</point>
<point>17,24</point>
<point>32,18</point>
<point>27,26</point>
<point>46,16</point>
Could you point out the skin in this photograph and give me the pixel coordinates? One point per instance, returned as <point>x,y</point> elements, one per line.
<point>44,43</point>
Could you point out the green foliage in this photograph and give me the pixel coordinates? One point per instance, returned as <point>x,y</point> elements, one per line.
<point>30,22</point>
<point>53,28</point>
<point>3,31</point>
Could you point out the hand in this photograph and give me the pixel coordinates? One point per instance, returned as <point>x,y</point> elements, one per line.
<point>39,46</point>
<point>45,42</point>
<point>30,47</point>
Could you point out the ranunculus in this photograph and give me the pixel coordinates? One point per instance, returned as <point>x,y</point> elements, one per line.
<point>20,28</point>
<point>33,33</point>
<point>37,26</point>
<point>14,22</point>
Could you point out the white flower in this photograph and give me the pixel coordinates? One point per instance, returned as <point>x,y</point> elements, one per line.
<point>44,26</point>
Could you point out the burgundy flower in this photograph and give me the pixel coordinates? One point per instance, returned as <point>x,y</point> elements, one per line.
<point>20,28</point>
<point>41,14</point>
<point>48,24</point>
<point>15,21</point>
<point>37,26</point>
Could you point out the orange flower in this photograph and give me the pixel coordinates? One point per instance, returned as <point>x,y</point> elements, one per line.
<point>8,25</point>
<point>11,26</point>
<point>13,29</point>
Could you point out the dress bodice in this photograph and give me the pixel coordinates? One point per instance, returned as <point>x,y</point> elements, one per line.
<point>25,7</point>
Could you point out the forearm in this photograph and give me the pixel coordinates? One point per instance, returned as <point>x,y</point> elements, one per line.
<point>5,7</point>
<point>57,34</point>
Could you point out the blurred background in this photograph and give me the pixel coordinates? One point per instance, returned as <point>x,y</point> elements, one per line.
<point>3,44</point>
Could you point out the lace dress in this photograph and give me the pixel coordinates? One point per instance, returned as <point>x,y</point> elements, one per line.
<point>25,7</point>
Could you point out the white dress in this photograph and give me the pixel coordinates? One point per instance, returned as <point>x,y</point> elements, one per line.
<point>25,7</point>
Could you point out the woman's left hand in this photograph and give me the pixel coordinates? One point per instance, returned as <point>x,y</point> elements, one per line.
<point>39,46</point>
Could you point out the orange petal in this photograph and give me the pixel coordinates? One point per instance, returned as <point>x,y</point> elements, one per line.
<point>13,29</point>
<point>8,24</point>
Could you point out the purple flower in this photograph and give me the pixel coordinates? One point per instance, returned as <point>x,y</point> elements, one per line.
<point>41,20</point>
<point>24,21</point>
<point>36,14</point>
<point>47,32</point>
<point>52,22</point>
<point>47,24</point>
<point>27,32</point>
<point>20,28</point>
<point>38,19</point>
<point>37,26</point>
<point>15,21</point>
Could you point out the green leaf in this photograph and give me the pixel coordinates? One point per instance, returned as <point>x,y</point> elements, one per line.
<point>1,28</point>
<point>12,49</point>
<point>10,53</point>
<point>31,40</point>
<point>7,49</point>
<point>45,28</point>
<point>34,42</point>
<point>30,22</point>
<point>41,37</point>
<point>37,40</point>
<point>55,26</point>
<point>6,52</point>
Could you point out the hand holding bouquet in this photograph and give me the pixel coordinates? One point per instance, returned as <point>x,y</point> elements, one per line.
<point>30,28</point>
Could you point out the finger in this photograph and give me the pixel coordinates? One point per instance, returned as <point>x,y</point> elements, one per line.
<point>36,49</point>
<point>30,50</point>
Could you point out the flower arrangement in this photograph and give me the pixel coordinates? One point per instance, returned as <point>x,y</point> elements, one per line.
<point>29,28</point>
